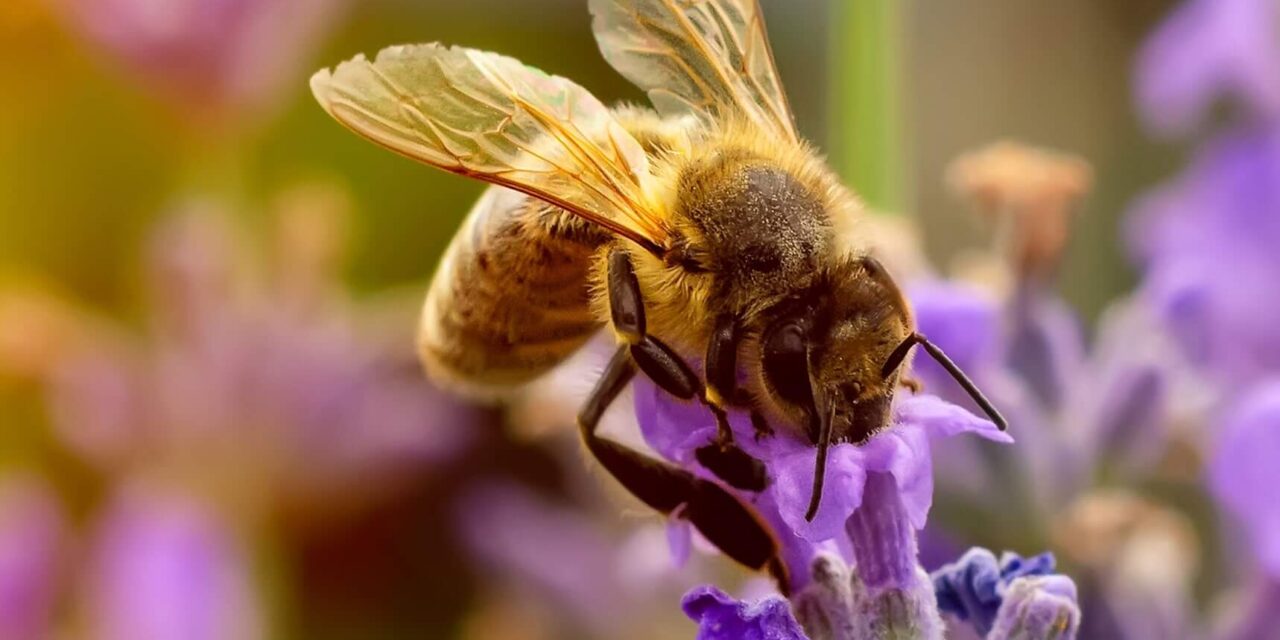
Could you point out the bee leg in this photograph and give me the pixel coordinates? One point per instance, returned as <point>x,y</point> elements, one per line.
<point>722,456</point>
<point>669,371</point>
<point>914,385</point>
<point>721,518</point>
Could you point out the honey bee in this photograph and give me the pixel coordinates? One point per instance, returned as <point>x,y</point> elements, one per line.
<point>705,229</point>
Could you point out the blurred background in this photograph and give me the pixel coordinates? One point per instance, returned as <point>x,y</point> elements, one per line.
<point>212,423</point>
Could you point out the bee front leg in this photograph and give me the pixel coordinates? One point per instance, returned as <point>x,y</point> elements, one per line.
<point>669,371</point>
<point>722,456</point>
<point>721,518</point>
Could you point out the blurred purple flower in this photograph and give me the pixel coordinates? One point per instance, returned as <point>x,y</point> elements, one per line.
<point>1045,346</point>
<point>1109,404</point>
<point>1205,49</point>
<point>965,320</point>
<point>594,579</point>
<point>1257,617</point>
<point>1243,473</point>
<point>558,551</point>
<point>1219,217</point>
<point>32,539</point>
<point>1080,412</point>
<point>164,568</point>
<point>299,397</point>
<point>1206,242</point>
<point>214,57</point>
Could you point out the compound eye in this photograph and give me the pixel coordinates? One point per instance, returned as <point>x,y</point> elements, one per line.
<point>786,364</point>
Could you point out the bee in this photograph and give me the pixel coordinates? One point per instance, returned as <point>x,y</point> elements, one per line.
<point>704,229</point>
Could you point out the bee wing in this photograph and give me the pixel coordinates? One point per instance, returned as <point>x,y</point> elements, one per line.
<point>491,117</point>
<point>710,58</point>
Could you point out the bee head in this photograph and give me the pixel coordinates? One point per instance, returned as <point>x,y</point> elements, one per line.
<point>823,360</point>
<point>833,361</point>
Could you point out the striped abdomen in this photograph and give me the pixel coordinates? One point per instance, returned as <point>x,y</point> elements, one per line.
<point>511,297</point>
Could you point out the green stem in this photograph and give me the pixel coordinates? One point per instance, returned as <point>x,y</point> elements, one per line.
<point>866,107</point>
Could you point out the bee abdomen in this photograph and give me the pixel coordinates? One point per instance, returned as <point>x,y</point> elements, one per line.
<point>511,298</point>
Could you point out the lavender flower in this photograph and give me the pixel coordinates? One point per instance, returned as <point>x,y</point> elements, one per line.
<point>1255,616</point>
<point>676,429</point>
<point>213,58</point>
<point>165,568</point>
<point>327,411</point>
<point>1038,607</point>
<point>1243,472</point>
<point>877,496</point>
<point>1207,48</point>
<point>1217,218</point>
<point>250,398</point>
<point>32,541</point>
<point>1086,413</point>
<point>610,583</point>
<point>1220,215</point>
<point>975,586</point>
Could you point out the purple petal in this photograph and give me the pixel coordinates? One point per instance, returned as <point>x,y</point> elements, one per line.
<point>679,537</point>
<point>207,55</point>
<point>31,539</point>
<point>903,451</point>
<point>1258,615</point>
<point>1243,473</point>
<point>942,419</point>
<point>165,568</point>
<point>1135,380</point>
<point>1207,48</point>
<point>842,492</point>
<point>192,267</point>
<point>1045,348</point>
<point>1218,217</point>
<point>797,552</point>
<point>721,617</point>
<point>674,429</point>
<point>964,323</point>
<point>554,550</point>
<point>94,407</point>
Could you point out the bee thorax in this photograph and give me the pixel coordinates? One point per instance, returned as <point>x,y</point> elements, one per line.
<point>761,229</point>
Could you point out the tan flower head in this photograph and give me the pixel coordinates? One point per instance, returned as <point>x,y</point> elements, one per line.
<point>1030,193</point>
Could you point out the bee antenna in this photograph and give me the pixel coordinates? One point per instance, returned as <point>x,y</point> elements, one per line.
<point>820,470</point>
<point>899,354</point>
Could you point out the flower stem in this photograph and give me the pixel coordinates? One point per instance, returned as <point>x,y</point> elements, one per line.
<point>865,107</point>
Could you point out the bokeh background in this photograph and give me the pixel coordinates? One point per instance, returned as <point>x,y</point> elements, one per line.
<point>211,421</point>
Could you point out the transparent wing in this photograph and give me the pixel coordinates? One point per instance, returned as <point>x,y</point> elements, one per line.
<point>490,117</point>
<point>706,57</point>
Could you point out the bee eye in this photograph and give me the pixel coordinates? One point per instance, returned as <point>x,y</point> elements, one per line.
<point>786,364</point>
